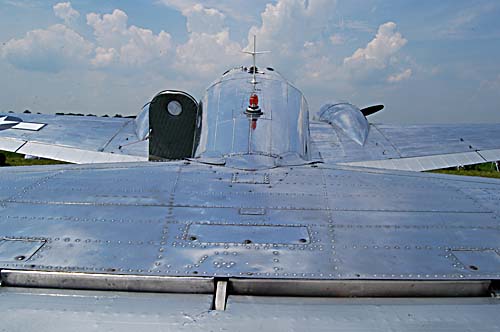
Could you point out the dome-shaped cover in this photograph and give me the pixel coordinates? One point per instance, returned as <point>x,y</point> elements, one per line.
<point>348,119</point>
<point>278,133</point>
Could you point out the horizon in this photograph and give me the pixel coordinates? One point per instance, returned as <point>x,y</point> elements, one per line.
<point>426,62</point>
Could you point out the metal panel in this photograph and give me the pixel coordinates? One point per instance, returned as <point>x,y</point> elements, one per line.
<point>211,233</point>
<point>316,314</point>
<point>29,126</point>
<point>418,140</point>
<point>336,147</point>
<point>485,261</point>
<point>41,279</point>
<point>358,288</point>
<point>87,133</point>
<point>51,310</point>
<point>25,309</point>
<point>17,250</point>
<point>74,155</point>
<point>426,163</point>
<point>359,224</point>
<point>411,148</point>
<point>8,144</point>
<point>490,155</point>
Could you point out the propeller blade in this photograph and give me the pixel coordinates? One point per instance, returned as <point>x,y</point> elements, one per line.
<point>371,109</point>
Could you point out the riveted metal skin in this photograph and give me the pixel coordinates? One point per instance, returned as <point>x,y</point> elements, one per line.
<point>303,223</point>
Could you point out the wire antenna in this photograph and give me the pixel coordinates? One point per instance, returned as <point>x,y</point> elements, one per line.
<point>254,55</point>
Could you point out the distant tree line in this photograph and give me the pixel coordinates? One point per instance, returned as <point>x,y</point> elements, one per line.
<point>103,116</point>
<point>81,114</point>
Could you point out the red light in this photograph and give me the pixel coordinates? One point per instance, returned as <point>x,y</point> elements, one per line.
<point>254,100</point>
<point>254,124</point>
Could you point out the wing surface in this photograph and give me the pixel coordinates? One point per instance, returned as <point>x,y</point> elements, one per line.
<point>415,148</point>
<point>176,219</point>
<point>75,139</point>
<point>76,236</point>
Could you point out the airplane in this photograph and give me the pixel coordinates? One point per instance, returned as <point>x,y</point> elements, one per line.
<point>236,212</point>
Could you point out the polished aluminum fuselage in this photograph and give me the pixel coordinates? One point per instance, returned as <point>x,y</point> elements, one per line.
<point>279,136</point>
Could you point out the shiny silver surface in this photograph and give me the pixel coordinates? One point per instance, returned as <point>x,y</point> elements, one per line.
<point>142,123</point>
<point>360,288</point>
<point>71,310</point>
<point>9,144</point>
<point>308,222</point>
<point>412,148</point>
<point>490,155</point>
<point>281,133</point>
<point>96,281</point>
<point>221,295</point>
<point>425,163</point>
<point>348,119</point>
<point>76,139</point>
<point>73,155</point>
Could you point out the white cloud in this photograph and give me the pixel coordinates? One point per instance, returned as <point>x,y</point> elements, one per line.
<point>109,29</point>
<point>404,75</point>
<point>209,49</point>
<point>104,57</point>
<point>64,11</point>
<point>379,51</point>
<point>126,45</point>
<point>49,49</point>
<point>207,55</point>
<point>203,20</point>
<point>240,10</point>
<point>288,24</point>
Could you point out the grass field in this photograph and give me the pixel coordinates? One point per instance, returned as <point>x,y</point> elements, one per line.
<point>487,170</point>
<point>15,159</point>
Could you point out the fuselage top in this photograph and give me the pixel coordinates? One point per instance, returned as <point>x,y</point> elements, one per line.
<point>278,135</point>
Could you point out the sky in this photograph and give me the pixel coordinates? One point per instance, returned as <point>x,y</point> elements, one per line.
<point>427,61</point>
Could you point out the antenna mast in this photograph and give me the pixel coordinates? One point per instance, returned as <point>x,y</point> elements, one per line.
<point>254,56</point>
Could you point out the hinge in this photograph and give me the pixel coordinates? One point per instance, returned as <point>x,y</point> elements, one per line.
<point>220,297</point>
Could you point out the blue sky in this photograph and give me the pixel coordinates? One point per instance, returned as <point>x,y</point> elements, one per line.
<point>427,61</point>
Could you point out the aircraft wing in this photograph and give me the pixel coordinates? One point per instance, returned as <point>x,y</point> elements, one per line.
<point>75,139</point>
<point>414,147</point>
<point>281,249</point>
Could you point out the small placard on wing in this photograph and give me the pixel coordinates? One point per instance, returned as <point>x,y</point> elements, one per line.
<point>250,178</point>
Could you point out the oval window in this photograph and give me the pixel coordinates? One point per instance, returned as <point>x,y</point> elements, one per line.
<point>174,108</point>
